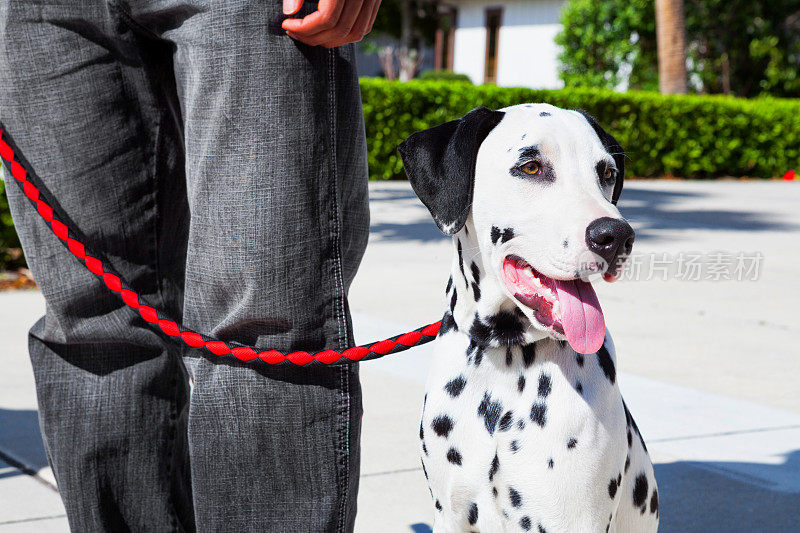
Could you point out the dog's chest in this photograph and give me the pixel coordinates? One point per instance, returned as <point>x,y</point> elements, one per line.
<point>500,423</point>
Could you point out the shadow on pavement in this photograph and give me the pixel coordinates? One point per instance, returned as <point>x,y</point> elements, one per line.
<point>703,497</point>
<point>21,439</point>
<point>650,210</point>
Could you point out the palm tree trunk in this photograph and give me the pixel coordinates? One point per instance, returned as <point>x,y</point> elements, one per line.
<point>671,36</point>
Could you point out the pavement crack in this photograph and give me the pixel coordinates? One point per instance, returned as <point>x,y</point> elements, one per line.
<point>724,433</point>
<point>387,472</point>
<point>36,519</point>
<point>25,469</point>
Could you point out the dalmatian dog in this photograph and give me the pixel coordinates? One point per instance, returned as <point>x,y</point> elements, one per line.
<point>523,425</point>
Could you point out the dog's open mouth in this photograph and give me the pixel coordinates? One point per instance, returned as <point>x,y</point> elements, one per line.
<point>567,307</point>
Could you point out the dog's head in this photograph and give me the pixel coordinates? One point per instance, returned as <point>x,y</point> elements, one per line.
<point>538,186</point>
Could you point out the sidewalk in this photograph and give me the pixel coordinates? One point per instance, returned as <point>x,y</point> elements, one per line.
<point>709,369</point>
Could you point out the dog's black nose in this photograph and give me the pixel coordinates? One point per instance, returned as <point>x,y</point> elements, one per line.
<point>610,238</point>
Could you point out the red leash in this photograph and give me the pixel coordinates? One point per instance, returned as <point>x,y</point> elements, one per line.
<point>96,262</point>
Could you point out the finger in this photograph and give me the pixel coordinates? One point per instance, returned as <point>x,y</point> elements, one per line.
<point>290,7</point>
<point>346,21</point>
<point>359,29</point>
<point>325,17</point>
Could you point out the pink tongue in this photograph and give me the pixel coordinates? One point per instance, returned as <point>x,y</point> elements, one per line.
<point>581,316</point>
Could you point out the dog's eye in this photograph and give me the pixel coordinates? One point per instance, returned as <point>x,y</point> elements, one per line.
<point>531,168</point>
<point>609,175</point>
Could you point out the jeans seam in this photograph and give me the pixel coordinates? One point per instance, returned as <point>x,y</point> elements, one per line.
<point>344,413</point>
<point>172,421</point>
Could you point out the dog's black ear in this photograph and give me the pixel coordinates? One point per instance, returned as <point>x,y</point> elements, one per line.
<point>440,164</point>
<point>612,147</point>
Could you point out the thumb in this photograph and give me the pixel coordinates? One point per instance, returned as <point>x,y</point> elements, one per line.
<point>290,7</point>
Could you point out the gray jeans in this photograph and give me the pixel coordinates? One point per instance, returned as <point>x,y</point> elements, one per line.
<point>222,167</point>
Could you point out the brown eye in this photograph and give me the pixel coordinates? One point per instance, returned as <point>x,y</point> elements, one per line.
<point>609,173</point>
<point>532,168</point>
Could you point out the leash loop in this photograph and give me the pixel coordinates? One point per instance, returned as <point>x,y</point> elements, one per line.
<point>98,264</point>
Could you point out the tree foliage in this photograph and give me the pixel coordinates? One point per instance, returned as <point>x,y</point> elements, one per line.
<point>733,46</point>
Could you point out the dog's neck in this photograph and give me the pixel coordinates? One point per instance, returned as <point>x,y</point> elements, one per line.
<point>477,304</point>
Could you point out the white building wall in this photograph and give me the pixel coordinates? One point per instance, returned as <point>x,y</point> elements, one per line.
<point>528,54</point>
<point>469,43</point>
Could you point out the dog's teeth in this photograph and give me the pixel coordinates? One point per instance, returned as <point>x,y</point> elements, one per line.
<point>537,282</point>
<point>556,308</point>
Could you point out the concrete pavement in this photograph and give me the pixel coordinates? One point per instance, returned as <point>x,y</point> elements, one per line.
<point>709,368</point>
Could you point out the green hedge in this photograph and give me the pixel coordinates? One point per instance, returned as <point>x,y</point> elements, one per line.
<point>685,136</point>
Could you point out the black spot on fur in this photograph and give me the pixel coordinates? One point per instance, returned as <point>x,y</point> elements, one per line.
<point>453,300</point>
<point>544,114</point>
<point>449,285</point>
<point>496,233</point>
<point>579,387</point>
<point>604,359</point>
<point>490,411</point>
<point>550,463</point>
<point>565,244</point>
<point>454,456</point>
<point>632,423</point>
<point>474,353</point>
<point>545,385</point>
<point>455,386</point>
<point>421,431</point>
<point>521,424</point>
<point>528,354</point>
<point>521,383</point>
<point>504,328</point>
<point>506,421</point>
<point>509,356</point>
<point>448,324</point>
<point>640,491</point>
<point>424,470</point>
<point>460,259</point>
<point>542,529</point>
<point>476,272</point>
<point>579,359</point>
<point>627,463</point>
<point>571,443</point>
<point>476,291</point>
<point>514,497</point>
<point>525,523</point>
<point>425,448</point>
<point>442,425</point>
<point>494,492</point>
<point>612,489</point>
<point>472,515</point>
<point>514,446</point>
<point>508,234</point>
<point>654,502</point>
<point>494,467</point>
<point>438,505</point>
<point>630,439</point>
<point>539,413</point>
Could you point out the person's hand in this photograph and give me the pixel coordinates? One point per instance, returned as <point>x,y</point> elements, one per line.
<point>336,22</point>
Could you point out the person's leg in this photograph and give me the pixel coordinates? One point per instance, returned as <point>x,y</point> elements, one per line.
<point>89,110</point>
<point>277,188</point>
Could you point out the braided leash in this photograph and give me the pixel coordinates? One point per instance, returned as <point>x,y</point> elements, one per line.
<point>97,263</point>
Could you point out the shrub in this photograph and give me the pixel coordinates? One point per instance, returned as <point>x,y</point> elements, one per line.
<point>443,75</point>
<point>682,135</point>
<point>10,249</point>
